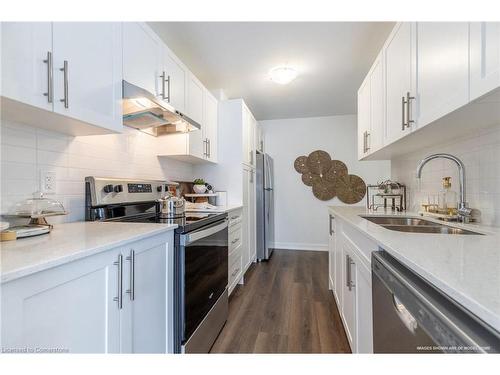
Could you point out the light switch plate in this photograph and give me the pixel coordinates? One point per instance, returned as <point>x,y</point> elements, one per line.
<point>48,182</point>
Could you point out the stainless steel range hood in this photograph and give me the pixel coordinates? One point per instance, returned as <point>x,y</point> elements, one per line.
<point>144,111</point>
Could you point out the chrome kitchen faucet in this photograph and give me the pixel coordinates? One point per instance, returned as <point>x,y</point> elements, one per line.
<point>464,212</point>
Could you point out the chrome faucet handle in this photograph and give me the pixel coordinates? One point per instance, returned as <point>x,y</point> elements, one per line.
<point>464,213</point>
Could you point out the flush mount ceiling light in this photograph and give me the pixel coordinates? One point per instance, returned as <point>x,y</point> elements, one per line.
<point>283,74</point>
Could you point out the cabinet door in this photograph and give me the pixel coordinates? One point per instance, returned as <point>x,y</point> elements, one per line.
<point>25,69</point>
<point>364,115</point>
<point>484,58</point>
<point>194,107</point>
<point>245,253</point>
<point>70,307</point>
<point>91,88</point>
<point>364,320</point>
<point>141,57</point>
<point>210,125</point>
<point>174,88</point>
<point>399,56</point>
<point>443,69</point>
<point>144,313</point>
<point>249,125</point>
<point>331,255</point>
<point>375,137</point>
<point>349,295</point>
<point>251,218</point>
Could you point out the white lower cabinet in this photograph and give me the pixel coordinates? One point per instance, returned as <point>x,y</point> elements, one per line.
<point>350,281</point>
<point>75,307</point>
<point>237,246</point>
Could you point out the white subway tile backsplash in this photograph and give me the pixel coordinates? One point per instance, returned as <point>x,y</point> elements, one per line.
<point>27,152</point>
<point>480,153</point>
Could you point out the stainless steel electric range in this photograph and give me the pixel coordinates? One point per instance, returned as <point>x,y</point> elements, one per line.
<point>200,255</point>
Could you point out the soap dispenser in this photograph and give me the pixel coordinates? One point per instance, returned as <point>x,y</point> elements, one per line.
<point>447,202</point>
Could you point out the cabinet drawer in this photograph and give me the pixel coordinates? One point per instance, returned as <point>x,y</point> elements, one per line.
<point>235,235</point>
<point>235,266</point>
<point>235,217</point>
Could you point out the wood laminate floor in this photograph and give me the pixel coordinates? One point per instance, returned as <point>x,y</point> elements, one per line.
<point>284,307</point>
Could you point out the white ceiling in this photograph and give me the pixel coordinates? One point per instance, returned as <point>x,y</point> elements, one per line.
<point>332,59</point>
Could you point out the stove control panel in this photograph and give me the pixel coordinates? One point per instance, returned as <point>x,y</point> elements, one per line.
<point>140,188</point>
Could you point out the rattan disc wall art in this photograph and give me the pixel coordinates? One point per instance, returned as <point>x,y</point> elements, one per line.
<point>329,178</point>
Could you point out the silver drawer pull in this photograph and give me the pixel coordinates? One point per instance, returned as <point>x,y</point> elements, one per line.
<point>50,79</point>
<point>234,217</point>
<point>235,240</point>
<point>131,290</point>
<point>235,272</point>
<point>65,99</point>
<point>119,298</point>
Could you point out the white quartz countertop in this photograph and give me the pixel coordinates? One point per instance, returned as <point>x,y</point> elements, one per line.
<point>465,267</point>
<point>69,242</point>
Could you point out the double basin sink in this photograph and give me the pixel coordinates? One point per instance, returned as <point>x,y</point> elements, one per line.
<point>415,225</point>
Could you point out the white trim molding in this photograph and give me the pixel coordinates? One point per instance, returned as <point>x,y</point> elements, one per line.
<point>300,246</point>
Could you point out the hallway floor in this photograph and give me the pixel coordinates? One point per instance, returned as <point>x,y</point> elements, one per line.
<point>284,307</point>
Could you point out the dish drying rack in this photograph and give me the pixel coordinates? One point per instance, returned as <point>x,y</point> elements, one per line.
<point>395,198</point>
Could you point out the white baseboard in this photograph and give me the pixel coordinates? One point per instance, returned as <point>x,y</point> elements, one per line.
<point>300,246</point>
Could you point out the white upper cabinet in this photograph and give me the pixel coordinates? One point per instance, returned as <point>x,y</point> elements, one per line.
<point>173,78</point>
<point>194,107</point>
<point>249,126</point>
<point>66,77</point>
<point>442,69</point>
<point>363,117</point>
<point>88,72</point>
<point>399,76</point>
<point>141,57</point>
<point>377,109</point>
<point>26,70</point>
<point>210,125</point>
<point>484,58</point>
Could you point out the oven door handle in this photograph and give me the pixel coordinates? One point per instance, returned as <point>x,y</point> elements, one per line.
<point>187,239</point>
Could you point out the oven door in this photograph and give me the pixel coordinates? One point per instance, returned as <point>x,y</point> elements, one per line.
<point>204,263</point>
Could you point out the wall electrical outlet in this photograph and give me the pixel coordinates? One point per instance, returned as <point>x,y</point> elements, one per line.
<point>48,182</point>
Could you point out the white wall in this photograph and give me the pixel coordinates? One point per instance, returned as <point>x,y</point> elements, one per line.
<point>26,151</point>
<point>300,218</point>
<point>480,153</point>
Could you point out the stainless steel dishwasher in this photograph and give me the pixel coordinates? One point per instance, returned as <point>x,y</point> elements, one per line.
<point>411,316</point>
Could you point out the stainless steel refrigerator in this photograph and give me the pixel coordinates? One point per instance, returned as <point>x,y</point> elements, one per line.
<point>265,206</point>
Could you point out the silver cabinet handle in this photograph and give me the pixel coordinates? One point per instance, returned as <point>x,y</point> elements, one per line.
<point>119,298</point>
<point>349,264</point>
<point>131,290</point>
<point>331,228</point>
<point>235,272</point>
<point>364,142</point>
<point>235,240</point>
<point>403,117</point>
<point>251,177</point>
<point>408,111</point>
<point>347,270</point>
<point>209,148</point>
<point>251,157</point>
<point>205,147</point>
<point>262,146</point>
<point>168,89</point>
<point>368,139</point>
<point>50,79</point>
<point>64,69</point>
<point>234,217</point>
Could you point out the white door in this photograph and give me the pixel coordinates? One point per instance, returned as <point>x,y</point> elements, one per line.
<point>70,307</point>
<point>349,295</point>
<point>442,69</point>
<point>377,116</point>
<point>141,57</point>
<point>364,118</point>
<point>331,254</point>
<point>484,58</point>
<point>174,87</point>
<point>194,107</point>
<point>26,73</point>
<point>399,56</point>
<point>251,218</point>
<point>245,249</point>
<point>364,324</point>
<point>144,314</point>
<point>210,125</point>
<point>88,72</point>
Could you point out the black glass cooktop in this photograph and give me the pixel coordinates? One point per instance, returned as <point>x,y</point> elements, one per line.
<point>187,223</point>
